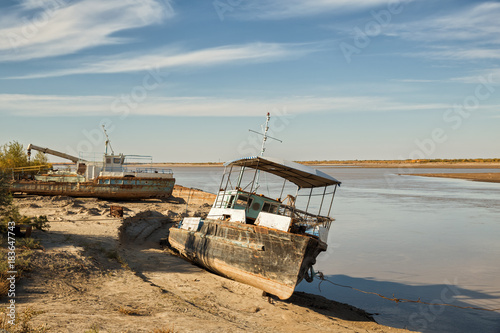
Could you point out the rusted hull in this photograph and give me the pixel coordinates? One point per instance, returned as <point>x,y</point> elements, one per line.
<point>157,188</point>
<point>268,259</point>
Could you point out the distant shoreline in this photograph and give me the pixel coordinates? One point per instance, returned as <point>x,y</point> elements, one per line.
<point>430,164</point>
<point>493,177</point>
<point>367,164</point>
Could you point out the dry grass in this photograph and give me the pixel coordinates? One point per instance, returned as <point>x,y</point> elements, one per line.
<point>132,312</point>
<point>22,265</point>
<point>22,323</point>
<point>163,330</point>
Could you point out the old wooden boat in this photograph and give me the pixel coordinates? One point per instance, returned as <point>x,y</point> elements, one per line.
<point>108,176</point>
<point>259,240</point>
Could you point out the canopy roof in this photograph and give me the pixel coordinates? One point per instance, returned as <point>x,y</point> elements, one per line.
<point>301,175</point>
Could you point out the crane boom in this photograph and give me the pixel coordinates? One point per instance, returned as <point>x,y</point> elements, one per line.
<point>52,152</point>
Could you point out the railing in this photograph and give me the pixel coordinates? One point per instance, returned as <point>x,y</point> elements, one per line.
<point>29,171</point>
<point>299,217</point>
<point>152,170</point>
<point>303,218</point>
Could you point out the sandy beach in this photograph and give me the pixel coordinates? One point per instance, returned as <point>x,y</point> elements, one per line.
<point>492,177</point>
<point>96,272</point>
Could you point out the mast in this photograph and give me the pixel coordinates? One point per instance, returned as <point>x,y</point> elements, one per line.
<point>107,142</point>
<point>264,139</point>
<point>265,129</point>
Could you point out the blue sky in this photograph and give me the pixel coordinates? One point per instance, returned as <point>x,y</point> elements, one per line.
<point>185,80</point>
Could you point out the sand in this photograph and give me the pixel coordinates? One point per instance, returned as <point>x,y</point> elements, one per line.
<point>97,272</point>
<point>492,177</point>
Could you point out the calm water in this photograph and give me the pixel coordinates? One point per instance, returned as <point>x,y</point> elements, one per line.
<point>412,237</point>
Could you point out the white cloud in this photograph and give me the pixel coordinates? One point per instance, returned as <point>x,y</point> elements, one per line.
<point>284,9</point>
<point>466,34</point>
<point>458,53</point>
<point>176,58</point>
<point>491,76</point>
<point>53,105</point>
<point>477,22</point>
<point>38,29</point>
<point>417,80</point>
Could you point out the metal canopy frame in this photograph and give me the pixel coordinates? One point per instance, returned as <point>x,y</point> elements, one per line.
<point>301,175</point>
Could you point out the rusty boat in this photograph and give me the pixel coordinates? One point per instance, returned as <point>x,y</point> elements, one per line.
<point>105,176</point>
<point>263,241</point>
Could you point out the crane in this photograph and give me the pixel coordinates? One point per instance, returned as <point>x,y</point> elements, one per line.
<point>51,152</point>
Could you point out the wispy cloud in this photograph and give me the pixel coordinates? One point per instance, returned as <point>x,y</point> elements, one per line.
<point>53,105</point>
<point>285,9</point>
<point>177,58</point>
<point>417,81</point>
<point>466,34</point>
<point>489,75</point>
<point>39,29</point>
<point>452,52</point>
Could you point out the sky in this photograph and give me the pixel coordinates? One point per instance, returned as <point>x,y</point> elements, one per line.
<point>185,81</point>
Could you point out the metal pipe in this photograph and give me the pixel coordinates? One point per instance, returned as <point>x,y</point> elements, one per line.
<point>253,182</point>
<point>282,189</point>
<point>322,198</point>
<point>331,203</point>
<point>227,183</point>
<point>220,186</point>
<point>309,200</point>
<point>240,176</point>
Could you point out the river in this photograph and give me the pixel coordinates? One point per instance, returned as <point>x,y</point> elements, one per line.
<point>409,237</point>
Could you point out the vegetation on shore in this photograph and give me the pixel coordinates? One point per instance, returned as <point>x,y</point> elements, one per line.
<point>14,155</point>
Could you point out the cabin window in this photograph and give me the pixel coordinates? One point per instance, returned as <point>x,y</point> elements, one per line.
<point>108,160</point>
<point>269,208</point>
<point>243,200</point>
<point>117,160</point>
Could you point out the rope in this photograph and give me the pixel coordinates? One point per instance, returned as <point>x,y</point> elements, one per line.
<point>321,277</point>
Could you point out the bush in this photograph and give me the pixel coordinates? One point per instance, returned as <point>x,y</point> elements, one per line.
<point>41,223</point>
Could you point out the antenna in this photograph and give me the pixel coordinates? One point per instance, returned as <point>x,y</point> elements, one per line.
<point>108,143</point>
<point>265,129</point>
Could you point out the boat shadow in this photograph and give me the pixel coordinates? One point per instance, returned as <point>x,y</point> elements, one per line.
<point>327,307</point>
<point>112,254</point>
<point>449,308</point>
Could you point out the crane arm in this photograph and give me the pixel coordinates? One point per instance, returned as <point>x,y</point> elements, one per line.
<point>52,152</point>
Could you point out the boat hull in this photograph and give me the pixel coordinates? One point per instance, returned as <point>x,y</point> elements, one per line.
<point>271,260</point>
<point>156,188</point>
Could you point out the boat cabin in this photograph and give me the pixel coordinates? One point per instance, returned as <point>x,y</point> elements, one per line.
<point>243,204</point>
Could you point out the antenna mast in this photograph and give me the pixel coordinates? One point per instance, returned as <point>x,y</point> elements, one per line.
<point>108,143</point>
<point>265,129</point>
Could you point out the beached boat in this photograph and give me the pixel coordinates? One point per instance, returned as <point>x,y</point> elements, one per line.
<point>268,243</point>
<point>108,176</point>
